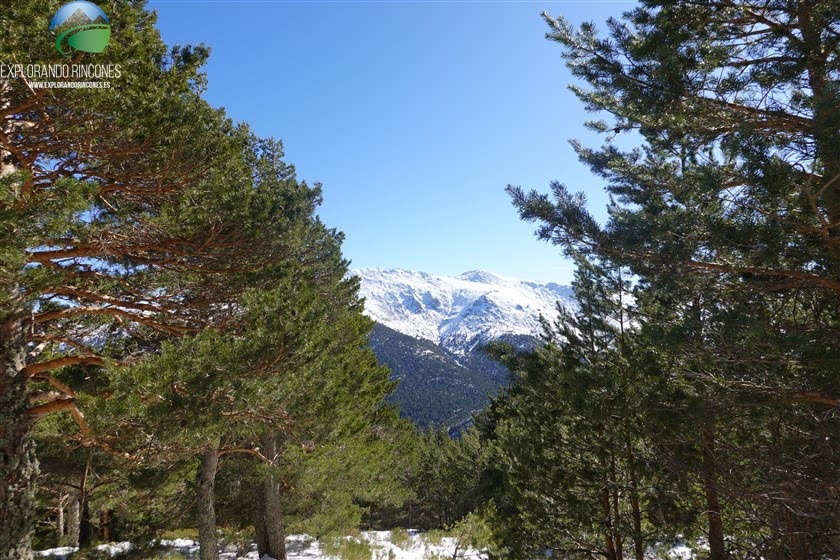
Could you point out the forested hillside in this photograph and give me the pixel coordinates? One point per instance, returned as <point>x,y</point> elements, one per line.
<point>435,388</point>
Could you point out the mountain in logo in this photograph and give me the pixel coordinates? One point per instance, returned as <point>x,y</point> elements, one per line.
<point>78,19</point>
<point>84,26</point>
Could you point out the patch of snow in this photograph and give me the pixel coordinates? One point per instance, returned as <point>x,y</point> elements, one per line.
<point>59,553</point>
<point>187,547</point>
<point>681,552</point>
<point>113,549</point>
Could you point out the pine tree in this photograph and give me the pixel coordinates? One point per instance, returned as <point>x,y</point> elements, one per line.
<point>445,478</point>
<point>294,387</point>
<point>569,436</point>
<point>727,215</point>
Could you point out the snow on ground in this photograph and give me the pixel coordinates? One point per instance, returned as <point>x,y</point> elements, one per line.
<point>57,553</point>
<point>303,547</point>
<point>66,552</point>
<point>416,546</point>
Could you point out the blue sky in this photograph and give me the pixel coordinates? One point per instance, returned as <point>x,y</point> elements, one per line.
<point>413,115</point>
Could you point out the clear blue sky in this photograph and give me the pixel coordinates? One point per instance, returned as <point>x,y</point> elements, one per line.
<point>413,115</point>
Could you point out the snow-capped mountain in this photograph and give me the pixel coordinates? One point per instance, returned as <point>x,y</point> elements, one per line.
<point>459,312</point>
<point>428,329</point>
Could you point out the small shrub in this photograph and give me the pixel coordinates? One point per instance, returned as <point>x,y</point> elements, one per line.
<point>473,531</point>
<point>190,533</point>
<point>435,537</point>
<point>347,548</point>
<point>400,537</point>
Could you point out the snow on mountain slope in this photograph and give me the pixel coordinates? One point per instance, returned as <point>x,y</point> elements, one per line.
<point>458,312</point>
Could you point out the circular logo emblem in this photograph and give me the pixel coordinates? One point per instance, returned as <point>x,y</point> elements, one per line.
<point>82,26</point>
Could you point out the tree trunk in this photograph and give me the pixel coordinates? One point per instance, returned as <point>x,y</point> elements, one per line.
<point>18,465</point>
<point>268,522</point>
<point>85,527</point>
<point>84,504</point>
<point>206,500</point>
<point>717,546</point>
<point>260,529</point>
<point>609,543</point>
<point>268,525</point>
<point>73,519</point>
<point>638,543</point>
<point>59,519</point>
<point>274,518</point>
<point>105,525</point>
<point>619,540</point>
<point>411,513</point>
<point>606,508</point>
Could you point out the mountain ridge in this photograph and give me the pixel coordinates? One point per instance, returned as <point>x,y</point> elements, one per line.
<point>430,328</point>
<point>458,312</point>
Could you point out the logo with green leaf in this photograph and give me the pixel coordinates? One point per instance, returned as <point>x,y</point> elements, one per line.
<point>82,26</point>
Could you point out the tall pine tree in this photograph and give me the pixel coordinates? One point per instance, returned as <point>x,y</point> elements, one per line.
<point>728,215</point>
<point>571,438</point>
